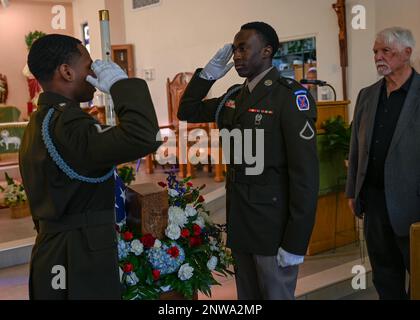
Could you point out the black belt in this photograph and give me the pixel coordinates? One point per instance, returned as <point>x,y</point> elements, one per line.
<point>268,177</point>
<point>76,221</point>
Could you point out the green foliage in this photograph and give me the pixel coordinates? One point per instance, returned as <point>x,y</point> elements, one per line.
<point>337,136</point>
<point>126,174</point>
<point>31,37</point>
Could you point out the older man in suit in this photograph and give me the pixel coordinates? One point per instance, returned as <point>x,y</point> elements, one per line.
<point>384,164</point>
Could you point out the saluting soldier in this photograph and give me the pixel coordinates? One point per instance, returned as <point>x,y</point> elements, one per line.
<point>270,216</point>
<point>67,162</point>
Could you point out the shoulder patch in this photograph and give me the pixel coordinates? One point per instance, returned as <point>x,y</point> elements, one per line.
<point>302,100</point>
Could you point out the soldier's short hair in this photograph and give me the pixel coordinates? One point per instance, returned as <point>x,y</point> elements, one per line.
<point>267,33</point>
<point>49,52</point>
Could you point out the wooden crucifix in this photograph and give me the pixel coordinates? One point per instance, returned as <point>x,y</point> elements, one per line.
<point>340,9</point>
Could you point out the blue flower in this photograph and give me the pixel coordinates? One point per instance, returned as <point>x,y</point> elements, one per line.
<point>164,262</point>
<point>123,249</point>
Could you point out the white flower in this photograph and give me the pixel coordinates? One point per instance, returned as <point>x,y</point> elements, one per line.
<point>177,216</point>
<point>185,272</point>
<point>173,232</point>
<point>212,263</point>
<point>131,279</point>
<point>173,193</point>
<point>190,211</point>
<point>137,247</point>
<point>157,244</point>
<point>213,245</point>
<point>200,221</point>
<point>206,217</point>
<point>166,289</point>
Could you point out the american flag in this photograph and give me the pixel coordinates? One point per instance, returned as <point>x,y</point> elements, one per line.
<point>120,198</point>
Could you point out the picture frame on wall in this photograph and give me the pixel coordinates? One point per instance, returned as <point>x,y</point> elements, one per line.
<point>143,4</point>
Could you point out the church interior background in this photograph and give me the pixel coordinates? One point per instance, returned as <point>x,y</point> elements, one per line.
<point>164,42</point>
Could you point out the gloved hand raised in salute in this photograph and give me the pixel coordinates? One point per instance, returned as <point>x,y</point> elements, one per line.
<point>107,74</point>
<point>218,66</point>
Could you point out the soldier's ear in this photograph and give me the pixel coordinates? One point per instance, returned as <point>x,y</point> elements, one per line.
<point>267,51</point>
<point>66,72</point>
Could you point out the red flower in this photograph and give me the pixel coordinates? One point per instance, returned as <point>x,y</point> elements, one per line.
<point>127,236</point>
<point>189,184</point>
<point>148,240</point>
<point>185,233</point>
<point>162,184</point>
<point>197,230</point>
<point>201,199</point>
<point>128,267</point>
<point>156,274</point>
<point>195,241</point>
<point>173,251</point>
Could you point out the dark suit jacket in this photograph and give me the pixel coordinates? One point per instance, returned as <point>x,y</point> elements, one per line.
<point>276,208</point>
<point>402,164</point>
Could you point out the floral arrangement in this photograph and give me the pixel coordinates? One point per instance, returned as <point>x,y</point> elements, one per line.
<point>14,193</point>
<point>183,261</point>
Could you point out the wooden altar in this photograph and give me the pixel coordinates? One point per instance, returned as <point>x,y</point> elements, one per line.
<point>335,224</point>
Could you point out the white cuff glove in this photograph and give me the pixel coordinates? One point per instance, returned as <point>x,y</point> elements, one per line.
<point>286,259</point>
<point>218,66</point>
<point>107,73</point>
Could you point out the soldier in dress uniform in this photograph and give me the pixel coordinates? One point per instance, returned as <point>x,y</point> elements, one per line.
<point>67,162</point>
<point>270,216</point>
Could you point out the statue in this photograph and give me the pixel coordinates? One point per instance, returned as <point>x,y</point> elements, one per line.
<point>33,84</point>
<point>3,89</point>
<point>33,87</point>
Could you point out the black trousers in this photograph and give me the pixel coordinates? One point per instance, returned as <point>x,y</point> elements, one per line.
<point>389,254</point>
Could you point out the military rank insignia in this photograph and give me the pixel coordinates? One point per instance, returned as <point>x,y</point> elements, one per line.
<point>230,104</point>
<point>302,100</point>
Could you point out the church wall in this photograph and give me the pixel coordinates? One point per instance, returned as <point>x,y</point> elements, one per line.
<point>181,35</point>
<point>20,18</point>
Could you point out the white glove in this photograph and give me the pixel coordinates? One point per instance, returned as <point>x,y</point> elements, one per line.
<point>107,73</point>
<point>218,66</point>
<point>286,259</point>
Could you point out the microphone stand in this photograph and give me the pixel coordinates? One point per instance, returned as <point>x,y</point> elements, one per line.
<point>328,85</point>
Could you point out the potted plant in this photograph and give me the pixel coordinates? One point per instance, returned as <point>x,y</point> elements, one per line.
<point>126,174</point>
<point>337,137</point>
<point>15,198</point>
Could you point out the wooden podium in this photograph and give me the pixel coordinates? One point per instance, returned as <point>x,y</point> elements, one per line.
<point>335,224</point>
